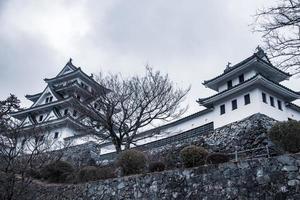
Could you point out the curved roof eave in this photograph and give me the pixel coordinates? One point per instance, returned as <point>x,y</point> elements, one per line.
<point>235,67</point>
<point>249,82</point>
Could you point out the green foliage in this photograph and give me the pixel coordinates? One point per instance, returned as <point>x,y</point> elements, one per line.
<point>57,171</point>
<point>286,135</point>
<point>92,173</point>
<point>192,156</point>
<point>132,161</point>
<point>156,166</point>
<point>216,158</point>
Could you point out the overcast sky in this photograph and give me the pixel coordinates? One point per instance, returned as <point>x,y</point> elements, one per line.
<point>190,40</point>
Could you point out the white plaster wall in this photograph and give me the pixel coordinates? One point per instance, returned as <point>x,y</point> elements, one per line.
<point>241,112</point>
<point>267,109</point>
<point>84,139</point>
<point>42,99</point>
<point>235,79</point>
<point>293,114</point>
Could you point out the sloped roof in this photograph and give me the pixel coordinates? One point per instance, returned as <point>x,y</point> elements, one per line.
<point>201,101</point>
<point>258,56</point>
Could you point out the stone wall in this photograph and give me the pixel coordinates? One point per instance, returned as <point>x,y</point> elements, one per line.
<point>272,178</point>
<point>248,133</point>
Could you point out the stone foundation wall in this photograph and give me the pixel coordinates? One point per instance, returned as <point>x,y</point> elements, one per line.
<point>248,133</point>
<point>273,178</point>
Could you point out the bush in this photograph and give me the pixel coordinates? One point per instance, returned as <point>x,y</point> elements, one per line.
<point>286,135</point>
<point>57,171</point>
<point>192,156</point>
<point>157,166</point>
<point>216,158</point>
<point>132,161</point>
<point>172,159</point>
<point>34,173</point>
<point>91,173</point>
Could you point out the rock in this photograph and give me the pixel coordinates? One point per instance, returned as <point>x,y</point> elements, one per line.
<point>289,168</point>
<point>293,182</point>
<point>121,185</point>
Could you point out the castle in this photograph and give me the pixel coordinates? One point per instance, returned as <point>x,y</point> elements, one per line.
<point>249,87</point>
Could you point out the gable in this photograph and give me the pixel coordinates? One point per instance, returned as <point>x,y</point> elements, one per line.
<point>27,122</point>
<point>68,68</point>
<point>51,116</point>
<point>46,93</point>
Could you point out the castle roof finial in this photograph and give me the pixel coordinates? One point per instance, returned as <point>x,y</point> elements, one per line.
<point>228,66</point>
<point>259,49</point>
<point>70,61</point>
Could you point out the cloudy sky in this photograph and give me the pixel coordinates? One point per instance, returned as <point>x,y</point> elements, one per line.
<point>190,40</point>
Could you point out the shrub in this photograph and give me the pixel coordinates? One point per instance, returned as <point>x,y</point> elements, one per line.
<point>286,135</point>
<point>216,158</point>
<point>57,171</point>
<point>132,161</point>
<point>192,156</point>
<point>34,173</point>
<point>156,166</point>
<point>92,173</point>
<point>172,159</point>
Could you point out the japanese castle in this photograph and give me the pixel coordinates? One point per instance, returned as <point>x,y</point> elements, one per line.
<point>249,87</point>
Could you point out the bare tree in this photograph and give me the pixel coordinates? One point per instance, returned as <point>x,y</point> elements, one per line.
<point>134,103</point>
<point>20,152</point>
<point>280,26</point>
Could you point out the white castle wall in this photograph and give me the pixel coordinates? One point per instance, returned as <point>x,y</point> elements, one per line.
<point>235,80</point>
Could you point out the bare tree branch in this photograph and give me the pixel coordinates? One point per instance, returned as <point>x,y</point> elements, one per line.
<point>134,103</point>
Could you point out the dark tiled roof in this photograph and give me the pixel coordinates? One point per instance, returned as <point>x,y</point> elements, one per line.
<point>243,62</point>
<point>238,85</point>
<point>28,96</point>
<point>293,106</point>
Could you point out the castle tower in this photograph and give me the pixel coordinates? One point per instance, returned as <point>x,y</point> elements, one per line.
<point>61,108</point>
<point>249,87</point>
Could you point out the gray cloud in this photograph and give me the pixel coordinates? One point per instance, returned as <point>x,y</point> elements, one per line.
<point>190,40</point>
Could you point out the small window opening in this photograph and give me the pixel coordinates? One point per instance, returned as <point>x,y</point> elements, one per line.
<point>241,78</point>
<point>247,99</point>
<point>272,101</point>
<point>264,97</point>
<point>279,105</point>
<point>229,84</point>
<point>234,104</point>
<point>222,109</point>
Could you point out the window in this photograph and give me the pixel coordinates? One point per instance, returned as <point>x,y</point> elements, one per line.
<point>222,109</point>
<point>229,84</point>
<point>74,113</point>
<point>41,138</point>
<point>247,99</point>
<point>66,112</point>
<point>234,104</point>
<point>41,118</point>
<point>23,142</point>
<point>272,101</point>
<point>51,98</point>
<point>279,105</point>
<point>55,135</point>
<point>78,96</point>
<point>47,99</point>
<point>264,97</point>
<point>241,78</point>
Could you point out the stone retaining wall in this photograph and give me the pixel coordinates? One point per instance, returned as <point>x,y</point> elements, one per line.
<point>273,178</point>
